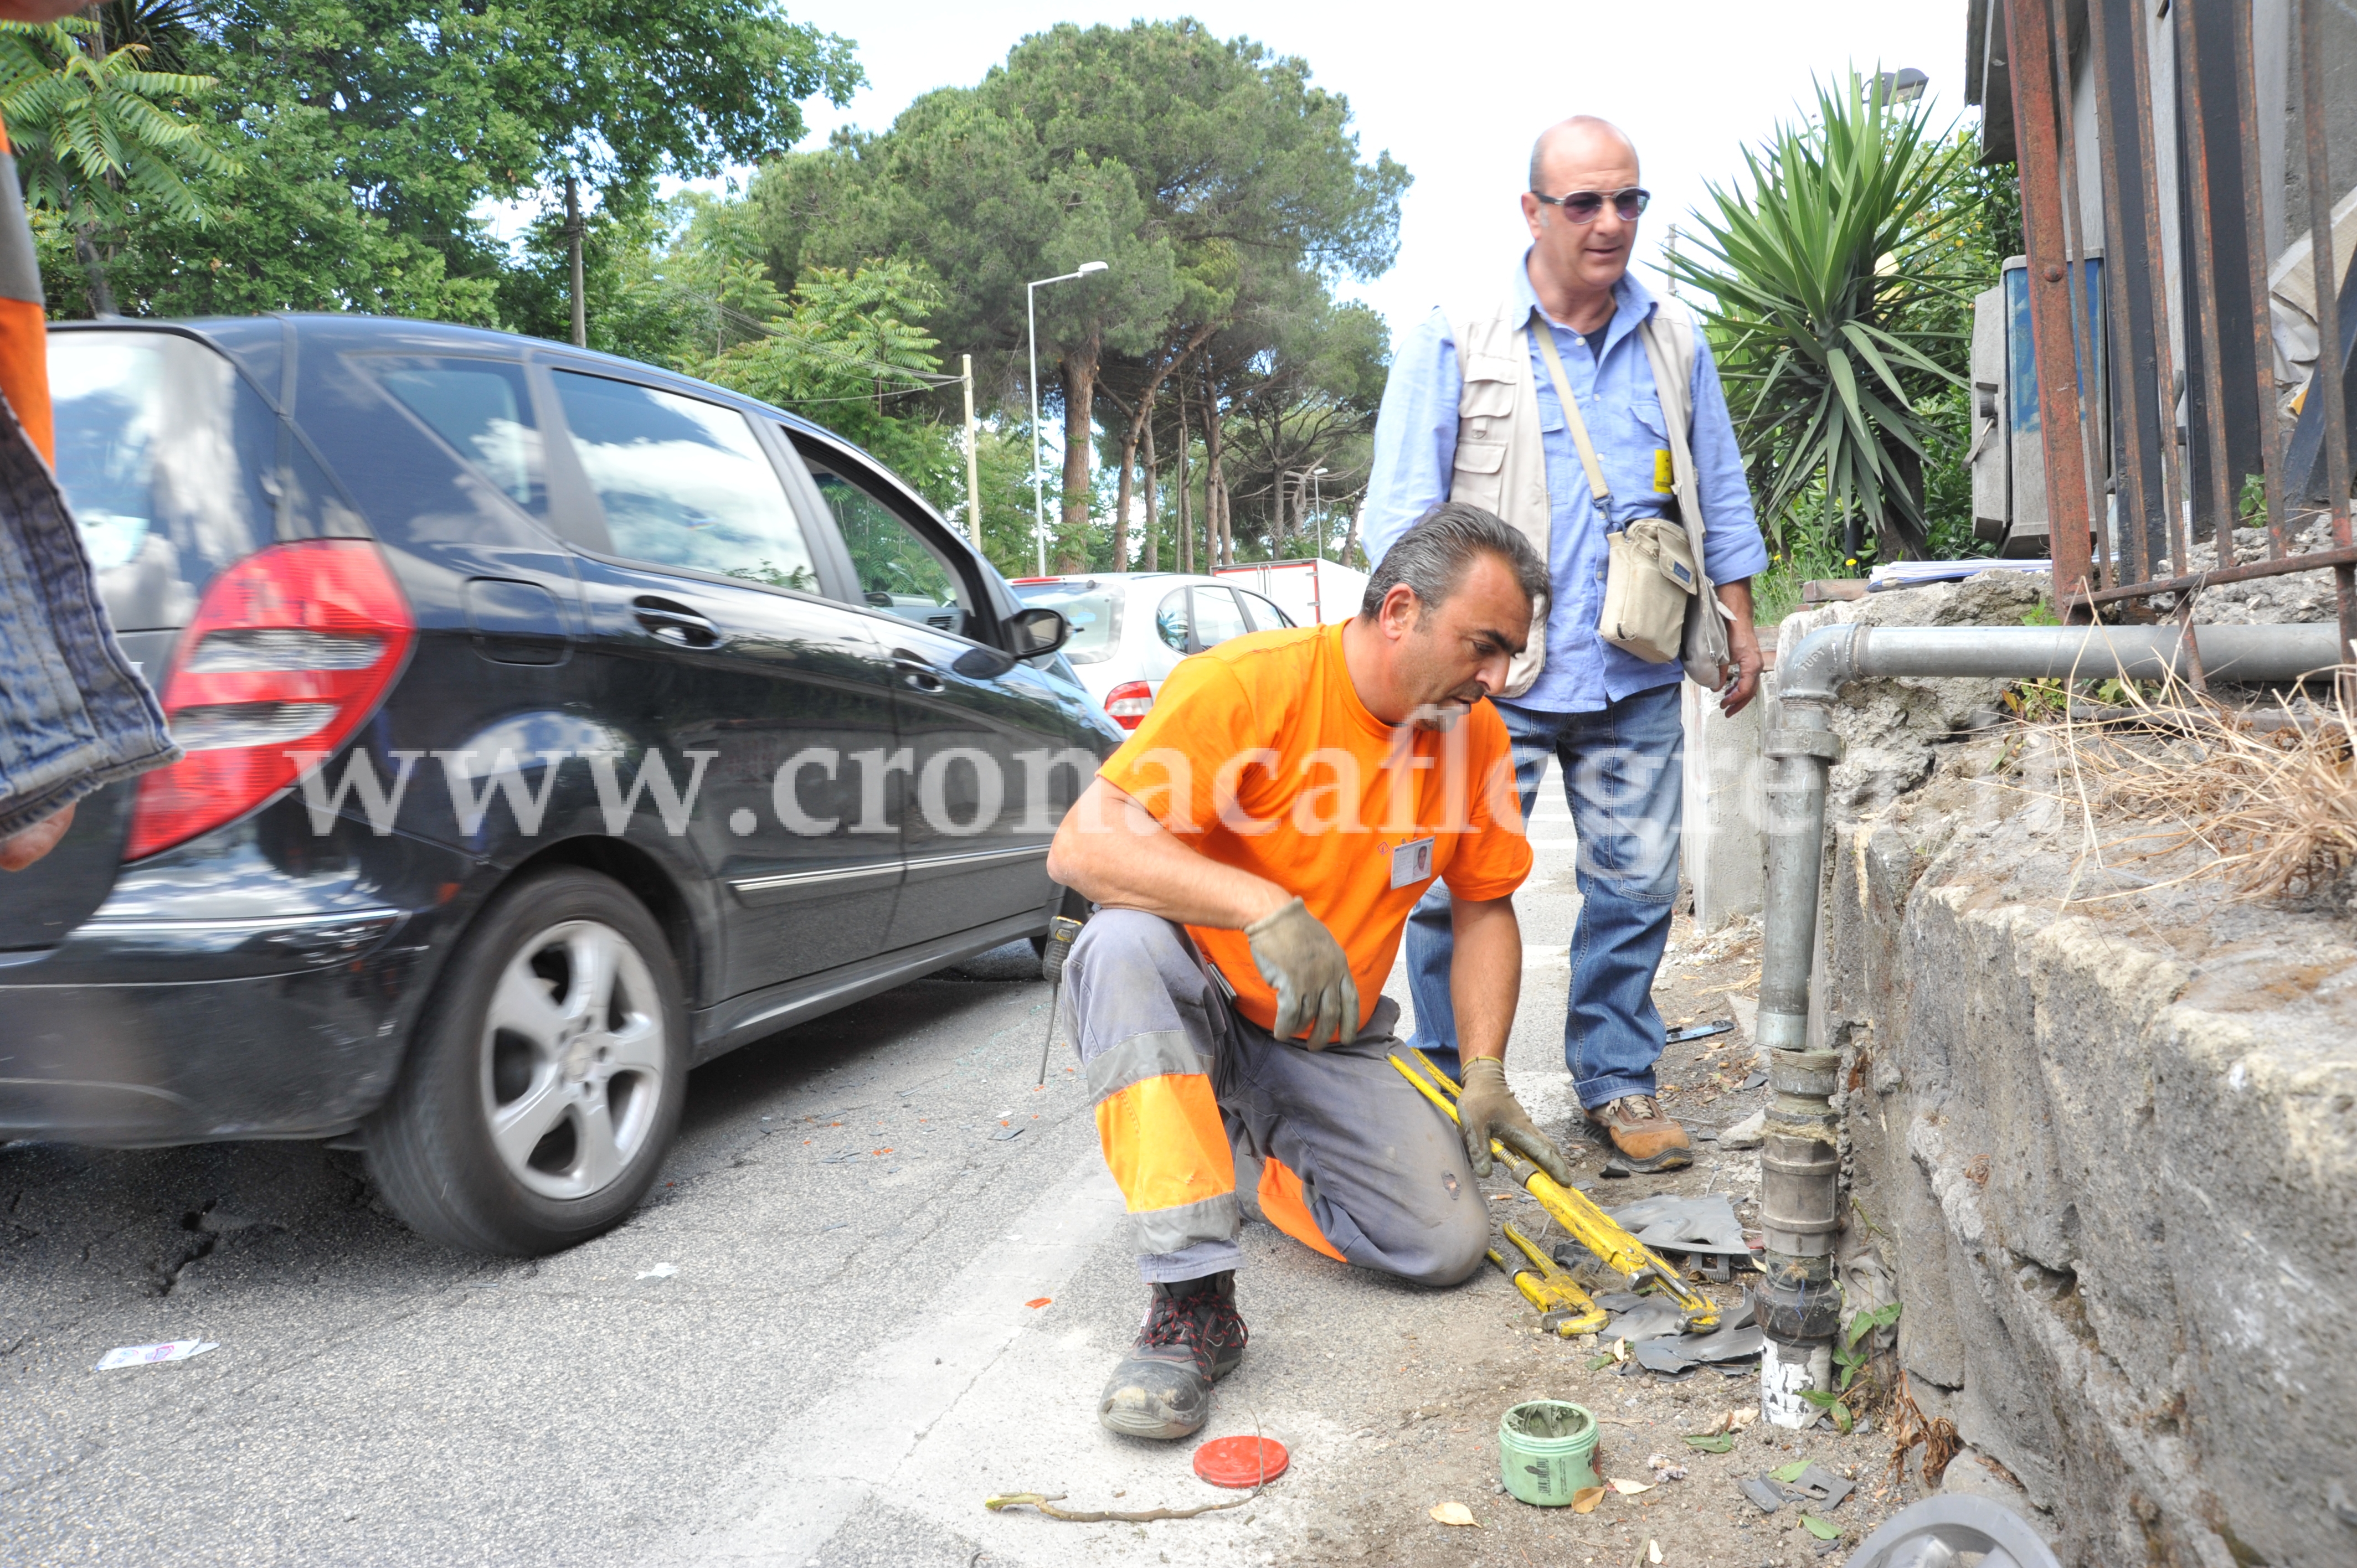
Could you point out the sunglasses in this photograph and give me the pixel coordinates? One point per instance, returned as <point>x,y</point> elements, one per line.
<point>1582,206</point>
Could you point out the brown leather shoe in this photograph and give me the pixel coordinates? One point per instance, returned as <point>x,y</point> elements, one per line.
<point>1647,1140</point>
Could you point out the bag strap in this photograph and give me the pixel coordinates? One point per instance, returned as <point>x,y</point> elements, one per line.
<point>1669,348</point>
<point>1578,427</point>
<point>1671,353</point>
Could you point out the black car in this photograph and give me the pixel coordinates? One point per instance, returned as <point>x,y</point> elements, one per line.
<point>554,725</point>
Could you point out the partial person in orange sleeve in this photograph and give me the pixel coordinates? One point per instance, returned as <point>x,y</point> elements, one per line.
<point>1254,849</point>
<point>74,714</point>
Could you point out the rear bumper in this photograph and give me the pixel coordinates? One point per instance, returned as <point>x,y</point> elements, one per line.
<point>297,1029</point>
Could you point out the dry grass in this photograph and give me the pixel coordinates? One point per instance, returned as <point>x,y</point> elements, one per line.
<point>2269,808</point>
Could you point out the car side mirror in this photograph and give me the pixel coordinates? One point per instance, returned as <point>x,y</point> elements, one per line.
<point>1036,631</point>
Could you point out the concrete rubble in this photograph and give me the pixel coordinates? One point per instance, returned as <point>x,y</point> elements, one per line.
<point>2100,1130</point>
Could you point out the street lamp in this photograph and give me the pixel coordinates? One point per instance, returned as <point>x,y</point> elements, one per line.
<point>1032,322</point>
<point>1318,507</point>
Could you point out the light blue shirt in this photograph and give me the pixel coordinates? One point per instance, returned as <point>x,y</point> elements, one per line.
<point>1416,448</point>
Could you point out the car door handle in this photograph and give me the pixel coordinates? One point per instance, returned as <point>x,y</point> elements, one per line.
<point>916,671</point>
<point>674,623</point>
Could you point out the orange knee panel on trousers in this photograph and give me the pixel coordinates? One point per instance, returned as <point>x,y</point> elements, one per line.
<point>1281,1204</point>
<point>1165,1142</point>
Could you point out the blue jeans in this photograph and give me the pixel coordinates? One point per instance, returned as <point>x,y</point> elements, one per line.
<point>1623,775</point>
<point>73,714</point>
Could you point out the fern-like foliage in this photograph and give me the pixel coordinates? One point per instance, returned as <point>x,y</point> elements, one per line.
<point>99,135</point>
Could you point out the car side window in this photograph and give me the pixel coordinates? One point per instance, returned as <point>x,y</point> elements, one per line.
<point>1170,621</point>
<point>1266,616</point>
<point>898,569</point>
<point>1217,617</point>
<point>482,409</point>
<point>685,482</point>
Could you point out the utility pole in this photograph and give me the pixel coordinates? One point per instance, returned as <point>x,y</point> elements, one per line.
<point>972,464</point>
<point>573,234</point>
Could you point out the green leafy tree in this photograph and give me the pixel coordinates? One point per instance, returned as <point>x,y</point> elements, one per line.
<point>1835,284</point>
<point>373,132</point>
<point>1154,148</point>
<point>103,138</point>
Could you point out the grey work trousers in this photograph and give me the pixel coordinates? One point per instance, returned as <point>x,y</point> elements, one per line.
<point>1343,1154</point>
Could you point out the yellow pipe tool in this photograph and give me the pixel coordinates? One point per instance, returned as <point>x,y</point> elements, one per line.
<point>1562,1306</point>
<point>1588,1225</point>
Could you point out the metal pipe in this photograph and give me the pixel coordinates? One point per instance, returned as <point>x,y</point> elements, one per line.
<point>2208,400</point>
<point>1797,1303</point>
<point>2254,254</point>
<point>2327,379</point>
<point>2030,50</point>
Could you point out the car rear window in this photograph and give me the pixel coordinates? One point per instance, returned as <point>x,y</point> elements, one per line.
<point>1095,616</point>
<point>161,452</point>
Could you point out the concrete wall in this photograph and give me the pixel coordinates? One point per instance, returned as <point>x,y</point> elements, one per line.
<point>2101,1132</point>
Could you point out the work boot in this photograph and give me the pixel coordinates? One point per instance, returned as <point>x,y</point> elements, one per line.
<point>1647,1140</point>
<point>1192,1337</point>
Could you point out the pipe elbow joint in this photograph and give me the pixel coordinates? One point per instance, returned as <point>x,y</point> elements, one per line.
<point>1816,670</point>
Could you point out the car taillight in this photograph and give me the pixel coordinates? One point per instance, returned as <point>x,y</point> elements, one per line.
<point>1129,701</point>
<point>291,649</point>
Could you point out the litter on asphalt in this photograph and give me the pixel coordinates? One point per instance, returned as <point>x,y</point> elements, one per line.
<point>153,1355</point>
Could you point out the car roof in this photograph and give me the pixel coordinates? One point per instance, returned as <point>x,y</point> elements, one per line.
<point>256,342</point>
<point>257,345</point>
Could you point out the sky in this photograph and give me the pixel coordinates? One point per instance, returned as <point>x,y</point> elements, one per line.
<point>1457,96</point>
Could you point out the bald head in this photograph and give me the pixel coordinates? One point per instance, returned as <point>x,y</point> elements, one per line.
<point>1576,141</point>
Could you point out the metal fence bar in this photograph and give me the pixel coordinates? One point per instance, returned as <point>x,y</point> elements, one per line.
<point>2027,27</point>
<point>2200,288</point>
<point>2176,526</point>
<point>2275,566</point>
<point>2255,247</point>
<point>2328,370</point>
<point>2135,396</point>
<point>2086,365</point>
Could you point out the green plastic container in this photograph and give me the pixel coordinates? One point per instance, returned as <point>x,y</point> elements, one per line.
<point>1546,1450</point>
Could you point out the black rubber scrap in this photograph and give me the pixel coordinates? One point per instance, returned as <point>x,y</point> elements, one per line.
<point>1766,1494</point>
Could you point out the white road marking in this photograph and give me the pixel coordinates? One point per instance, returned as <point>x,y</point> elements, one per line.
<point>819,1468</point>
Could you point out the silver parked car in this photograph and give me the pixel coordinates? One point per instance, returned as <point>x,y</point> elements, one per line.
<point>1130,628</point>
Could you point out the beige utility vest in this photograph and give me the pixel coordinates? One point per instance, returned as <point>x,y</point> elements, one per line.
<point>1500,464</point>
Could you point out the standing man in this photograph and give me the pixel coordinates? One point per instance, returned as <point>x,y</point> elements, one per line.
<point>74,714</point>
<point>1472,413</point>
<point>1256,848</point>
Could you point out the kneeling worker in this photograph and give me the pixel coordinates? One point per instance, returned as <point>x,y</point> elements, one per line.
<point>1256,848</point>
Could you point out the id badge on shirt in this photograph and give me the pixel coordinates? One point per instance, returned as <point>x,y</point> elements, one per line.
<point>1411,863</point>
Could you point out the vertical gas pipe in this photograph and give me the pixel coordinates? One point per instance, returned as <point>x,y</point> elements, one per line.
<point>1800,1164</point>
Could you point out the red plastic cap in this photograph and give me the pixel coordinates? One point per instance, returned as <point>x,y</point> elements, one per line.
<point>1241,1461</point>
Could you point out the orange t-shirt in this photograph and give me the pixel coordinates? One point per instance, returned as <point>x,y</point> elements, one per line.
<point>1261,755</point>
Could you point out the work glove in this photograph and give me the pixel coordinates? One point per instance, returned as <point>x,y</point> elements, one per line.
<point>1487,1109</point>
<point>1301,959</point>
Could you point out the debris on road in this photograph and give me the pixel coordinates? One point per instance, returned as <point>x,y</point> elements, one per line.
<point>153,1355</point>
<point>1747,1134</point>
<point>1674,1224</point>
<point>659,1271</point>
<point>1046,1503</point>
<point>1453,1513</point>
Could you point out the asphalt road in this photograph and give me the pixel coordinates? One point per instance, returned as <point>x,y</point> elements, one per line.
<point>879,1280</point>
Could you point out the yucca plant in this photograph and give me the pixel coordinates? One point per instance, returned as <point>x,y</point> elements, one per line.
<point>1836,299</point>
<point>98,136</point>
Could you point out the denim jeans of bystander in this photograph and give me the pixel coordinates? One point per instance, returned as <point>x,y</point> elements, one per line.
<point>1622,773</point>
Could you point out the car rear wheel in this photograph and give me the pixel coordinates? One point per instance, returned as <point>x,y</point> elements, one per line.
<point>546,1078</point>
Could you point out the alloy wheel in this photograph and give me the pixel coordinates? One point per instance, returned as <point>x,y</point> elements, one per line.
<point>573,1060</point>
